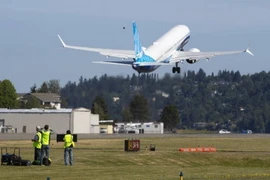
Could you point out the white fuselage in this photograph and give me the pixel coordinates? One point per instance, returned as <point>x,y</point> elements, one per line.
<point>175,39</point>
<point>164,48</point>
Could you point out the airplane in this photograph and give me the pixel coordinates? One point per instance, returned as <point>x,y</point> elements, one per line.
<point>167,50</point>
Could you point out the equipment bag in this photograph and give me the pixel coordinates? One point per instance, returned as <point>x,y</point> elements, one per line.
<point>26,163</point>
<point>46,161</point>
<point>15,160</point>
<point>6,159</point>
<point>16,157</point>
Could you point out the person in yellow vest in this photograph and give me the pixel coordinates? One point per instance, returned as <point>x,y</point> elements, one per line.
<point>37,144</point>
<point>45,143</point>
<point>68,146</point>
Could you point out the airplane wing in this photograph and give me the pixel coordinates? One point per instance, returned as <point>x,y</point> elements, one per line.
<point>180,55</point>
<point>106,52</point>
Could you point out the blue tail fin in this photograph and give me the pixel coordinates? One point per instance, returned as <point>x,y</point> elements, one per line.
<point>137,44</point>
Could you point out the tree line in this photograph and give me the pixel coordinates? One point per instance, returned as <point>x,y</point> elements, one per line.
<point>226,100</point>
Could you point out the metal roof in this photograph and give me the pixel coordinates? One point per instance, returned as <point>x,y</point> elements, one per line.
<point>35,110</point>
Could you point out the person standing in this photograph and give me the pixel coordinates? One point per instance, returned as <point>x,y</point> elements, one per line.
<point>45,143</point>
<point>37,144</point>
<point>68,148</point>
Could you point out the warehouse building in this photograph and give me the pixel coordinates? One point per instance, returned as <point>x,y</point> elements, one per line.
<point>79,120</point>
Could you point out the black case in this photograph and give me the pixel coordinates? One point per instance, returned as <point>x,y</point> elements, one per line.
<point>60,137</point>
<point>46,161</point>
<point>16,157</point>
<point>26,163</point>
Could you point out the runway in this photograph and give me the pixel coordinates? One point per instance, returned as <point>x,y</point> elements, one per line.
<point>29,136</point>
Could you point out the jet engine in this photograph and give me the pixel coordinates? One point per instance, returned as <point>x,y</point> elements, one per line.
<point>194,50</point>
<point>192,61</point>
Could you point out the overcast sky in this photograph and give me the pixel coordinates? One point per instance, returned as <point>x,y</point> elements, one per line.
<point>30,52</point>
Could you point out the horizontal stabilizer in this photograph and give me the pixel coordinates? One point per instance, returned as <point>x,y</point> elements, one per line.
<point>63,43</point>
<point>120,63</point>
<point>129,63</point>
<point>249,52</point>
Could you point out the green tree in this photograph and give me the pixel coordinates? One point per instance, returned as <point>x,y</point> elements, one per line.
<point>170,116</point>
<point>134,80</point>
<point>64,103</point>
<point>139,108</point>
<point>214,99</point>
<point>8,96</point>
<point>54,86</point>
<point>96,109</point>
<point>33,89</point>
<point>237,76</point>
<point>99,107</point>
<point>200,76</point>
<point>32,102</point>
<point>43,88</point>
<point>126,115</point>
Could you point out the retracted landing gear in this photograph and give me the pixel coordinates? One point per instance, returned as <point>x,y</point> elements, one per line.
<point>176,68</point>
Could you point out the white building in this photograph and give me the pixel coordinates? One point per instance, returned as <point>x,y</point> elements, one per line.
<point>25,120</point>
<point>153,128</point>
<point>145,128</point>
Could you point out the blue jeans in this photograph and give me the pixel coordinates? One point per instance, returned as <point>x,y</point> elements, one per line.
<point>68,156</point>
<point>37,154</point>
<point>45,151</point>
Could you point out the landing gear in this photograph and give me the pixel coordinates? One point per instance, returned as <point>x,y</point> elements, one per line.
<point>176,68</point>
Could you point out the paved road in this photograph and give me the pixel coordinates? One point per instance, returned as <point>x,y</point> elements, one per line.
<point>28,136</point>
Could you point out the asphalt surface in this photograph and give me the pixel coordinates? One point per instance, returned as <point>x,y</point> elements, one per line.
<point>29,136</point>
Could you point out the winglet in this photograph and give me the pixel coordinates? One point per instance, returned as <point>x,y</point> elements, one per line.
<point>63,43</point>
<point>249,52</point>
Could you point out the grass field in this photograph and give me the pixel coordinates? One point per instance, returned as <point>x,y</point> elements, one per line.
<point>238,157</point>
